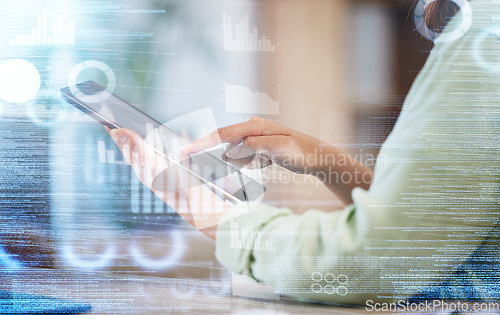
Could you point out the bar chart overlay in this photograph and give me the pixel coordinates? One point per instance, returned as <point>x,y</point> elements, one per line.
<point>241,35</point>
<point>106,156</point>
<point>244,238</point>
<point>48,31</point>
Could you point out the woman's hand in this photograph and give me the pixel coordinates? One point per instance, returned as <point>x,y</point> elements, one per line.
<point>195,202</point>
<point>293,150</point>
<point>146,163</point>
<point>271,142</point>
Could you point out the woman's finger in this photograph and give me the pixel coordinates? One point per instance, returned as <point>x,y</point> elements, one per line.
<point>236,133</point>
<point>239,163</point>
<point>260,161</point>
<point>128,142</point>
<point>143,159</point>
<point>271,145</point>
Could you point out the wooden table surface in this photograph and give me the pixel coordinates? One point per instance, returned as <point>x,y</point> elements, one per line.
<point>111,293</point>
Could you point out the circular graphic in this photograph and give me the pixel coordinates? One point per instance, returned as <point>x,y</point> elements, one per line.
<point>316,288</point>
<point>48,110</point>
<point>329,277</point>
<point>343,279</point>
<point>488,59</point>
<point>170,260</point>
<point>330,289</point>
<point>425,31</point>
<point>103,261</point>
<point>19,81</point>
<point>317,276</point>
<point>342,291</point>
<point>92,64</point>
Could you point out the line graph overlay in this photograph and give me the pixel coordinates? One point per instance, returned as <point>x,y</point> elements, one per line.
<point>241,99</point>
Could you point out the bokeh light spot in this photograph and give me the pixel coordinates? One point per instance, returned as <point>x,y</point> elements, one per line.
<point>19,81</point>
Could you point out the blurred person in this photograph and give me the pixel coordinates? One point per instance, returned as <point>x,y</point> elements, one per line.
<point>423,225</point>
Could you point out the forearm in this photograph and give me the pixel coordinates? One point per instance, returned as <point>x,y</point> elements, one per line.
<point>341,173</point>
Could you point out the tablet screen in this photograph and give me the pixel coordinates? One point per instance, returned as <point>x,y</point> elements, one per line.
<point>109,109</point>
<point>112,111</point>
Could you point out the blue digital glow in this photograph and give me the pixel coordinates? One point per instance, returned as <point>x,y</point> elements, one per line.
<point>71,204</point>
<point>8,260</point>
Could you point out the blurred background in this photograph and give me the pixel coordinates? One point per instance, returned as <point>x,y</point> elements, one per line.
<point>336,69</point>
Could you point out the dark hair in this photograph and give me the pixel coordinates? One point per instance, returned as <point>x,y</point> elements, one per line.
<point>438,14</point>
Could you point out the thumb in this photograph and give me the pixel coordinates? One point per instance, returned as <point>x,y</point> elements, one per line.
<point>240,151</point>
<point>271,145</point>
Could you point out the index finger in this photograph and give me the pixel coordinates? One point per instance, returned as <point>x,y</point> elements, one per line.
<point>255,126</point>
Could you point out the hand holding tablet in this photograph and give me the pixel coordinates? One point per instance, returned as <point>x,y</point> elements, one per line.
<point>113,112</point>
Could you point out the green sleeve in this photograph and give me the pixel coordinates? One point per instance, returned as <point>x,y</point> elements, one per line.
<point>434,198</point>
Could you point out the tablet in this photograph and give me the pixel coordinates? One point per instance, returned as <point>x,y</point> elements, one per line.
<point>110,110</point>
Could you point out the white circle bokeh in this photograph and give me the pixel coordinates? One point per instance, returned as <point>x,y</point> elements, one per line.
<point>331,282</point>
<point>330,289</point>
<point>342,291</point>
<point>171,259</point>
<point>425,31</point>
<point>48,110</point>
<point>317,276</point>
<point>329,277</point>
<point>19,81</point>
<point>316,288</point>
<point>480,55</point>
<point>92,64</point>
<point>342,279</point>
